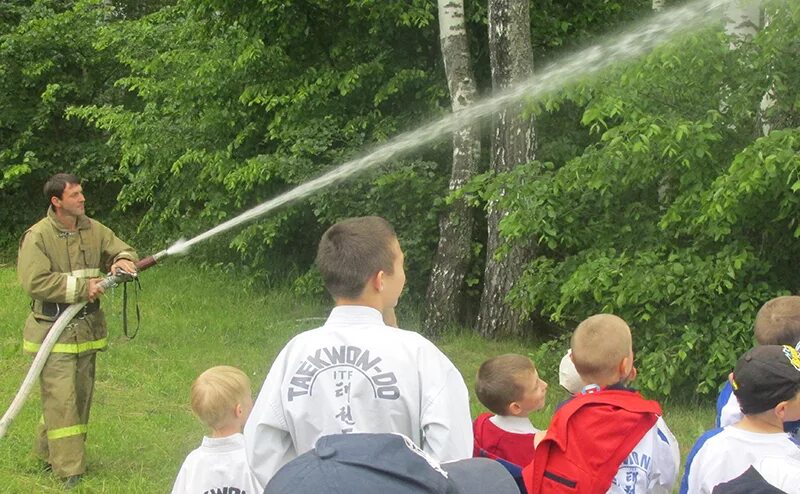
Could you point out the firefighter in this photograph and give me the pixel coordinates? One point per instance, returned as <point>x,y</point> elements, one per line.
<point>61,261</point>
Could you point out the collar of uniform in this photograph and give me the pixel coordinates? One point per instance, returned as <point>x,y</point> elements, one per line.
<point>83,221</point>
<point>227,443</point>
<point>510,423</point>
<point>354,314</point>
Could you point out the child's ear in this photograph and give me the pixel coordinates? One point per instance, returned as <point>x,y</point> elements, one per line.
<point>625,368</point>
<point>514,408</point>
<point>377,281</point>
<point>238,411</point>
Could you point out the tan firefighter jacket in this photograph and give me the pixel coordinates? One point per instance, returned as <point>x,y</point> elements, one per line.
<point>54,265</point>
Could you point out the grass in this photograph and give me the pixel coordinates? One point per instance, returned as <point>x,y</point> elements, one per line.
<point>142,427</point>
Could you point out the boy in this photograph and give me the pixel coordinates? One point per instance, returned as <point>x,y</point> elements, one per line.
<point>766,382</point>
<point>607,438</point>
<point>777,323</point>
<point>355,373</point>
<point>510,387</point>
<point>221,399</point>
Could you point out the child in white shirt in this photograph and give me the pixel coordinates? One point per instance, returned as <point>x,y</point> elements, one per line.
<point>221,399</point>
<point>766,383</point>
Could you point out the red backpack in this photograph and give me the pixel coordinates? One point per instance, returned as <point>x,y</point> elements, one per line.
<point>587,441</point>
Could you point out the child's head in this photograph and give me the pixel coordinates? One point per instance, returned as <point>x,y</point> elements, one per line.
<point>778,322</point>
<point>767,379</point>
<point>510,385</point>
<point>361,257</point>
<point>221,398</point>
<point>602,350</point>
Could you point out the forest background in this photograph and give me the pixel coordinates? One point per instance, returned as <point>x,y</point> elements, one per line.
<point>663,190</point>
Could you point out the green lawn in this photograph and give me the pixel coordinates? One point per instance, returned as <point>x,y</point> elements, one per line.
<point>142,427</point>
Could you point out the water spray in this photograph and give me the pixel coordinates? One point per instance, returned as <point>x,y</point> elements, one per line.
<point>657,30</point>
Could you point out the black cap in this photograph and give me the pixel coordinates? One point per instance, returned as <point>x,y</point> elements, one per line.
<point>765,376</point>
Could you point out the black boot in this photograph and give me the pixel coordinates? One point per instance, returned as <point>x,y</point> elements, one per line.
<point>72,481</point>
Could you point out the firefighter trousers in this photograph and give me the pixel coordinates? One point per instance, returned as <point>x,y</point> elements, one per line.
<point>67,384</point>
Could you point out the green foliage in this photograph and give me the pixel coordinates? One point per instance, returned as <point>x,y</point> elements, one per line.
<point>679,218</point>
<point>236,103</point>
<point>47,64</point>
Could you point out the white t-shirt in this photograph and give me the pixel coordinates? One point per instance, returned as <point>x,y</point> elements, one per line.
<point>781,471</point>
<point>723,454</point>
<point>355,374</point>
<point>728,411</point>
<point>218,465</point>
<point>652,466</point>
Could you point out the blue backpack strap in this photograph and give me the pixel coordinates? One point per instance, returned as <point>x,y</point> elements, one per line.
<point>515,471</point>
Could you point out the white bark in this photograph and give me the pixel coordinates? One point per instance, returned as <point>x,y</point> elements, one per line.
<point>513,143</point>
<point>452,257</point>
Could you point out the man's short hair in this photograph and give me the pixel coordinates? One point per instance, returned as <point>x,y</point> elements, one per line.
<point>55,185</point>
<point>599,344</point>
<point>351,251</point>
<point>216,392</point>
<point>778,322</point>
<point>498,383</point>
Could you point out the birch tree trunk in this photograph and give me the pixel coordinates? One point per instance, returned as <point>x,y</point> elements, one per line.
<point>743,20</point>
<point>445,288</point>
<point>513,142</point>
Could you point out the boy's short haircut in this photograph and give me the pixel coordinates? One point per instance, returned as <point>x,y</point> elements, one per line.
<point>599,344</point>
<point>498,383</point>
<point>778,322</point>
<point>351,251</point>
<point>765,376</point>
<point>216,392</point>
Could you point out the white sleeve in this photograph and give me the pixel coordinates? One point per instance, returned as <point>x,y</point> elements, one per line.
<point>445,416</point>
<point>730,413</point>
<point>268,443</point>
<point>666,460</point>
<point>181,485</point>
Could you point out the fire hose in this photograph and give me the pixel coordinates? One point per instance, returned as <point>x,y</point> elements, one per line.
<point>56,329</point>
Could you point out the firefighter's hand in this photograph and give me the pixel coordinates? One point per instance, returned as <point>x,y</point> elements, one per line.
<point>95,288</point>
<point>125,265</point>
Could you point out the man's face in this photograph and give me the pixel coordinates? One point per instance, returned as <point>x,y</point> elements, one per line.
<point>393,283</point>
<point>71,202</point>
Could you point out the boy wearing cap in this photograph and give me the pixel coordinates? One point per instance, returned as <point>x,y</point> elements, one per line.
<point>766,382</point>
<point>221,399</point>
<point>355,373</point>
<point>777,323</point>
<point>607,438</point>
<point>511,388</point>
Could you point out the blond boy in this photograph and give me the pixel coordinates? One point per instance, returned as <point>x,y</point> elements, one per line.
<point>221,399</point>
<point>607,438</point>
<point>509,386</point>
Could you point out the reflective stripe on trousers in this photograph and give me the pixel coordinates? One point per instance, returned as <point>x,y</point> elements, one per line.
<point>86,346</point>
